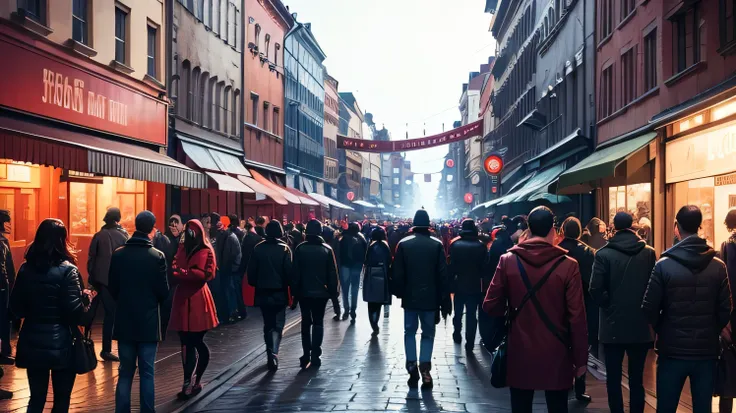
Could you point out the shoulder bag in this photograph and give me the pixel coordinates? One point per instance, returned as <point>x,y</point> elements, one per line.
<point>83,350</point>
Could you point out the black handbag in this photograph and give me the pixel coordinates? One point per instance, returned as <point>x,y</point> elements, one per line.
<point>83,350</point>
<point>499,364</point>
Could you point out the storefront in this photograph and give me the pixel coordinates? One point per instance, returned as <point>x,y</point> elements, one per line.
<point>75,139</point>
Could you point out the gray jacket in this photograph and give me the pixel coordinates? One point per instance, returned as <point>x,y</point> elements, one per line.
<point>104,243</point>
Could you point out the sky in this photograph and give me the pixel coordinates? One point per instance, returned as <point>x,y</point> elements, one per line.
<point>405,61</point>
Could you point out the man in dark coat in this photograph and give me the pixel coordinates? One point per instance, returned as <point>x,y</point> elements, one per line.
<point>250,240</point>
<point>467,266</point>
<point>328,234</point>
<point>228,254</point>
<point>7,279</point>
<point>688,302</point>
<point>420,279</point>
<point>584,255</point>
<point>138,285</point>
<point>548,339</point>
<point>269,271</point>
<point>111,237</point>
<point>620,276</point>
<point>491,328</point>
<point>352,253</point>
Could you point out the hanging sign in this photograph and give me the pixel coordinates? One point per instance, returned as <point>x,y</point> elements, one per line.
<point>351,196</point>
<point>493,164</point>
<point>468,198</point>
<point>450,163</point>
<point>455,135</point>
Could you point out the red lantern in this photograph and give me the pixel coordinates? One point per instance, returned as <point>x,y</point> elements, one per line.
<point>493,164</point>
<point>494,189</point>
<point>351,196</point>
<point>468,198</point>
<point>450,163</point>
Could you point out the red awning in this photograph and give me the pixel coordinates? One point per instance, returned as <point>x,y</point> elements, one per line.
<point>304,198</point>
<point>288,196</point>
<point>264,189</point>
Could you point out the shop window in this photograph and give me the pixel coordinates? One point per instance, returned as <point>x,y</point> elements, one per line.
<point>650,60</point>
<point>635,199</point>
<point>605,104</point>
<point>121,30</point>
<point>19,194</point>
<point>80,19</point>
<point>685,39</point>
<point>88,203</point>
<point>702,193</point>
<point>628,76</point>
<point>727,23</point>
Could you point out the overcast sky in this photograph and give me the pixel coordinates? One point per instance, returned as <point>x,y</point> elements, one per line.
<point>405,60</point>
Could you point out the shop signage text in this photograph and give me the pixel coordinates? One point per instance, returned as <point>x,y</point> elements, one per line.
<point>458,134</point>
<point>708,153</point>
<point>726,180</point>
<point>43,85</point>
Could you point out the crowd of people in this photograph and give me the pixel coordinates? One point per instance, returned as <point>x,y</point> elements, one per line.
<point>520,282</point>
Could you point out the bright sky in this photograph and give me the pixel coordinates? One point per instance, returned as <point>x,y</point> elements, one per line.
<point>405,60</point>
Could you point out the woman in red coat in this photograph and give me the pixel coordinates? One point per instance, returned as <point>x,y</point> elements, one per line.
<point>193,311</point>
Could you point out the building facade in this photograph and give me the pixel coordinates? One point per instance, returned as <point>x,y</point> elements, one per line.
<point>350,162</point>
<point>332,125</point>
<point>305,108</point>
<point>470,112</point>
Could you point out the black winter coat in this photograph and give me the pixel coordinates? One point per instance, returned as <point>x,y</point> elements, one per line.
<point>420,273</point>
<point>138,285</point>
<point>377,273</point>
<point>7,267</point>
<point>51,304</point>
<point>688,301</point>
<point>500,246</point>
<point>314,272</point>
<point>467,264</point>
<point>352,248</point>
<point>249,242</point>
<point>620,276</point>
<point>269,271</point>
<point>585,256</point>
<point>227,251</point>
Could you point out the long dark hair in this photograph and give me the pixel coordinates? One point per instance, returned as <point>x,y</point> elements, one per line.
<point>51,246</point>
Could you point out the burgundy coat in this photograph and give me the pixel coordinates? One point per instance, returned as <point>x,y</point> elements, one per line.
<point>537,360</point>
<point>193,308</point>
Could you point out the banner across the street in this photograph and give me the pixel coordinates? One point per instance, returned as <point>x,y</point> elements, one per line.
<point>458,134</point>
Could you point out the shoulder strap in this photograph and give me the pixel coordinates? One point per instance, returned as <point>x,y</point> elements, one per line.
<point>531,293</point>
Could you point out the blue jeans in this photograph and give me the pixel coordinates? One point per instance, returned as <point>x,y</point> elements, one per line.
<point>671,375</point>
<point>144,354</point>
<point>412,319</point>
<point>350,277</point>
<point>468,303</point>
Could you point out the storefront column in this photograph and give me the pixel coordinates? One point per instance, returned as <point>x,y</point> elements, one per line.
<point>659,224</point>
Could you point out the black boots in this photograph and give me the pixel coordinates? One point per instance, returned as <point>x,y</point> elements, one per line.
<point>424,369</point>
<point>411,367</point>
<point>457,337</point>
<point>273,362</point>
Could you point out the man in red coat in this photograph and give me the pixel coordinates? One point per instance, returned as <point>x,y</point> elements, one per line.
<point>548,339</point>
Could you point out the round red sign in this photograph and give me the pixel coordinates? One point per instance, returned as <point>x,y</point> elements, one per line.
<point>351,196</point>
<point>450,163</point>
<point>493,164</point>
<point>468,198</point>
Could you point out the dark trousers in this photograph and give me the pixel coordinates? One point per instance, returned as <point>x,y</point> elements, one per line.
<point>108,302</point>
<point>62,382</point>
<point>4,324</point>
<point>217,289</point>
<point>142,356</point>
<point>237,280</point>
<point>195,355</point>
<point>522,400</point>
<point>468,303</point>
<point>313,326</point>
<point>374,314</point>
<point>580,385</point>
<point>637,356</point>
<point>336,305</point>
<point>274,318</point>
<point>671,375</point>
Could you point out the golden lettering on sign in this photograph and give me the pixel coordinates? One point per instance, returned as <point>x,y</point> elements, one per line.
<point>67,93</point>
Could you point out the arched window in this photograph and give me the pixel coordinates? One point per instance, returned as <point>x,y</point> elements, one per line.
<point>257,39</point>
<point>545,27</point>
<point>227,111</point>
<point>194,107</point>
<point>218,106</point>
<point>267,44</point>
<point>204,100</point>
<point>236,112</point>
<point>184,88</point>
<point>559,5</point>
<point>276,51</point>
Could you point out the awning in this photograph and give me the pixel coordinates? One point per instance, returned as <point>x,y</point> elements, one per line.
<point>214,159</point>
<point>303,198</point>
<point>329,201</point>
<point>508,175</point>
<point>263,189</point>
<point>288,196</point>
<point>228,183</point>
<point>566,147</point>
<point>539,181</point>
<point>40,143</point>
<point>602,163</point>
<point>542,194</point>
<point>365,204</point>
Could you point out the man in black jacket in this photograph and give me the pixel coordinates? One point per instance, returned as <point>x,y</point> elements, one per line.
<point>467,265</point>
<point>228,254</point>
<point>688,303</point>
<point>621,272</point>
<point>352,253</point>
<point>7,279</point>
<point>138,284</point>
<point>491,328</point>
<point>584,255</point>
<point>315,281</point>
<point>420,279</point>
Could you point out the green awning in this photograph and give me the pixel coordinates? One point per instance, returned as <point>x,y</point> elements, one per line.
<point>538,182</point>
<point>602,163</point>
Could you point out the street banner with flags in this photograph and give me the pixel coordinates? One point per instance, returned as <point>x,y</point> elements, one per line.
<point>458,134</point>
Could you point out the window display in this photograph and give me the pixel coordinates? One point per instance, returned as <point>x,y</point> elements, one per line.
<point>19,192</point>
<point>700,192</point>
<point>635,199</point>
<point>89,202</point>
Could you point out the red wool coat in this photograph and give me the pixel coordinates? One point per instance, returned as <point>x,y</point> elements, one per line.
<point>537,360</point>
<point>193,308</point>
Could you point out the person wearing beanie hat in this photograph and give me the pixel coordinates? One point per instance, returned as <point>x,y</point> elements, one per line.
<point>315,281</point>
<point>353,246</point>
<point>111,237</point>
<point>7,280</point>
<point>138,285</point>
<point>270,273</point>
<point>420,279</point>
<point>376,289</point>
<point>466,265</point>
<point>621,272</point>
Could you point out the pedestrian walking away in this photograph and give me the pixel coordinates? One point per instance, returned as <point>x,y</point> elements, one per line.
<point>688,302</point>
<point>468,262</point>
<point>138,285</point>
<point>376,277</point>
<point>492,328</point>
<point>555,316</point>
<point>50,297</point>
<point>620,277</point>
<point>7,280</point>
<point>193,311</point>
<point>111,237</point>
<point>270,272</point>
<point>314,278</point>
<point>352,254</point>
<point>420,280</point>
<point>726,377</point>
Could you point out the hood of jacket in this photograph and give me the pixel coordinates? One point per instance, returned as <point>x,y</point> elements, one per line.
<point>693,252</point>
<point>569,243</point>
<point>139,239</point>
<point>202,241</point>
<point>594,226</point>
<point>627,241</point>
<point>537,252</point>
<point>314,239</point>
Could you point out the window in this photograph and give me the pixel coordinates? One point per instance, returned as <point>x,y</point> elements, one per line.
<point>217,106</point>
<point>628,76</point>
<point>204,95</point>
<point>199,9</point>
<point>685,39</point>
<point>606,96</point>
<point>275,124</point>
<point>201,114</point>
<point>257,40</point>
<point>227,111</point>
<point>728,23</point>
<point>121,18</point>
<point>265,115</point>
<point>254,109</point>
<point>237,38</point>
<point>267,44</point>
<point>183,101</point>
<point>236,113</point>
<point>396,181</point>
<point>152,32</point>
<point>396,170</point>
<point>606,18</point>
<point>276,49</point>
<point>627,7</point>
<point>193,96</point>
<point>79,21</point>
<point>650,60</point>
<point>225,20</point>
<point>35,9</point>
